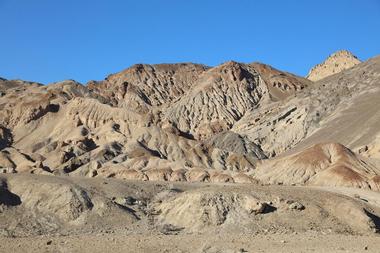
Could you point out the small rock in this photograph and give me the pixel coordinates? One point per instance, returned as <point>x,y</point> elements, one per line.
<point>93,173</point>
<point>365,247</point>
<point>279,200</point>
<point>124,201</point>
<point>168,229</point>
<point>38,164</point>
<point>296,206</point>
<point>49,242</point>
<point>140,203</point>
<point>130,200</point>
<point>363,149</point>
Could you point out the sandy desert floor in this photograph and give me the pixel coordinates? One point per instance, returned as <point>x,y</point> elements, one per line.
<point>117,242</point>
<point>185,217</point>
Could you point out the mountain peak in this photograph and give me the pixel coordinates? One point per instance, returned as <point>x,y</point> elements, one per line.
<point>343,53</point>
<point>335,63</point>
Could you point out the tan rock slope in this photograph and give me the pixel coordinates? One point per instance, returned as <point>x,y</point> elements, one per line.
<point>335,63</point>
<point>143,87</point>
<point>190,122</point>
<point>224,94</point>
<point>327,164</point>
<point>342,108</point>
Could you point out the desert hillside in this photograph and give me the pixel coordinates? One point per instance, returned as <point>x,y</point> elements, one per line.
<point>225,149</point>
<point>188,122</point>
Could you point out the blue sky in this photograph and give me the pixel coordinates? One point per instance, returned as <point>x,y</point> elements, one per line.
<point>53,40</point>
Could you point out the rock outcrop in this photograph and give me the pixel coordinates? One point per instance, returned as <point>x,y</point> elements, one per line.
<point>334,64</point>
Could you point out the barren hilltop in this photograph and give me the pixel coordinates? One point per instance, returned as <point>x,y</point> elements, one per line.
<point>227,150</point>
<point>335,63</point>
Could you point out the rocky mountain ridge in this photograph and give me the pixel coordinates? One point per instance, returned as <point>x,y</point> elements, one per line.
<point>190,122</point>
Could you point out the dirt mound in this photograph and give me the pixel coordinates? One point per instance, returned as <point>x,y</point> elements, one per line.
<point>67,202</point>
<point>61,205</point>
<point>196,210</point>
<point>46,204</point>
<point>328,164</point>
<point>227,210</point>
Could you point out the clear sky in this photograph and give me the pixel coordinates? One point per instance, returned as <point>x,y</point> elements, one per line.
<point>53,40</point>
